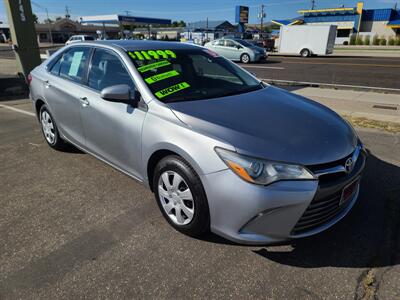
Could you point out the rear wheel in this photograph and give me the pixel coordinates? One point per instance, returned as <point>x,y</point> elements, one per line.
<point>49,129</point>
<point>181,197</point>
<point>245,58</point>
<point>305,53</point>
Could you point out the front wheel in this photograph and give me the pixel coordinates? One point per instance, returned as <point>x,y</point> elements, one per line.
<point>181,197</point>
<point>245,58</point>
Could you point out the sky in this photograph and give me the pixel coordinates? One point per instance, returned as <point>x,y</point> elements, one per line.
<point>187,10</point>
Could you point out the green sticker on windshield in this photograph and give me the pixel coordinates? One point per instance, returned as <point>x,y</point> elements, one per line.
<point>153,66</point>
<point>172,89</point>
<point>161,76</point>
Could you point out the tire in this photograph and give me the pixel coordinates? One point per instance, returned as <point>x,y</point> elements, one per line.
<point>245,58</point>
<point>191,217</point>
<point>305,53</point>
<point>49,129</point>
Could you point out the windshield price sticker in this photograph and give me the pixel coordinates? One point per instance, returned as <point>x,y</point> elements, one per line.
<point>161,76</point>
<point>153,66</point>
<point>172,89</point>
<point>152,54</point>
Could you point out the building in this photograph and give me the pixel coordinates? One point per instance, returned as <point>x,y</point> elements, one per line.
<point>351,20</point>
<point>62,29</point>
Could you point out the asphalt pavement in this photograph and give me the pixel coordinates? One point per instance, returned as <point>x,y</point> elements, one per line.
<point>72,227</point>
<point>383,72</point>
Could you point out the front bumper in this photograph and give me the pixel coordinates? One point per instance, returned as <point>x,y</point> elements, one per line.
<point>254,214</point>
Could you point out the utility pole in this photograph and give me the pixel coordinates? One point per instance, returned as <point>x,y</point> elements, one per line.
<point>261,16</point>
<point>48,20</point>
<point>49,23</point>
<point>312,4</point>
<point>23,35</point>
<point>67,15</point>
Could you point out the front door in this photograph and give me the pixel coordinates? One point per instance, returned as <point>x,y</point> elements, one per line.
<point>112,129</point>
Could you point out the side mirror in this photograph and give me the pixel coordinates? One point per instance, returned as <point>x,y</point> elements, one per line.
<point>238,46</point>
<point>121,93</point>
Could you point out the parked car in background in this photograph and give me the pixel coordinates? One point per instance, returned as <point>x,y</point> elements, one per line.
<point>79,38</point>
<point>267,44</point>
<point>237,50</point>
<point>221,150</point>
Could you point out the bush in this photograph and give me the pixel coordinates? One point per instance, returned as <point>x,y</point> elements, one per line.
<point>397,43</point>
<point>391,41</point>
<point>359,40</point>
<point>375,40</point>
<point>367,40</point>
<point>383,42</point>
<point>353,40</point>
<point>345,43</point>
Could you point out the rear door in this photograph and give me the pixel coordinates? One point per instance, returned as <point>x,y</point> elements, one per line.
<point>62,90</point>
<point>113,130</point>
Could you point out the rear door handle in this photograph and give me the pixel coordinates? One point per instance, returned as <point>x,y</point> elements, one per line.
<point>47,84</point>
<point>84,101</point>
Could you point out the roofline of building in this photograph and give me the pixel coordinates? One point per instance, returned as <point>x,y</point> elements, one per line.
<point>327,10</point>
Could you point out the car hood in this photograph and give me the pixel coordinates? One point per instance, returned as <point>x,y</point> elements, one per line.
<point>273,124</point>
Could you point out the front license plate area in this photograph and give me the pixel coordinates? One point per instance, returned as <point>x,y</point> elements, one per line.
<point>349,191</point>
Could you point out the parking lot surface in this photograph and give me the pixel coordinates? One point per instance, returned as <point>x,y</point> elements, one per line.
<point>72,227</point>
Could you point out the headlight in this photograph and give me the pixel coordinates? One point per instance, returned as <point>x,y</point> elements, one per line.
<point>262,172</point>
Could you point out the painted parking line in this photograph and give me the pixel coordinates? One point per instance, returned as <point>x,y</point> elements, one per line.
<point>262,67</point>
<point>28,113</point>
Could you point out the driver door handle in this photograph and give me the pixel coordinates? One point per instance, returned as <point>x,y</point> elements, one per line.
<point>84,101</point>
<point>47,84</point>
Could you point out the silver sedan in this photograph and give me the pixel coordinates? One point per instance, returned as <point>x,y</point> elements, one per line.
<point>221,150</point>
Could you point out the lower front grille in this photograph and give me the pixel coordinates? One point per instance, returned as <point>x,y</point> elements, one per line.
<point>326,205</point>
<point>320,212</point>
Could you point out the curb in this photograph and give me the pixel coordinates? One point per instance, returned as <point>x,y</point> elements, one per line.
<point>331,86</point>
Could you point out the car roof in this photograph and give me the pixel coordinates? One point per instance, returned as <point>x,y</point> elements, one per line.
<point>131,45</point>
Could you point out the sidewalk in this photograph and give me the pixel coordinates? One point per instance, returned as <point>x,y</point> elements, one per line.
<point>374,106</point>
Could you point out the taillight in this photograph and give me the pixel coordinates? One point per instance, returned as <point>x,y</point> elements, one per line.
<point>29,78</point>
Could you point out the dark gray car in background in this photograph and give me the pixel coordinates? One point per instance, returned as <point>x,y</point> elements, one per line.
<point>221,150</point>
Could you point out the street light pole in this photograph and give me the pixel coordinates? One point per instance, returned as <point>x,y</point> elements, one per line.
<point>48,20</point>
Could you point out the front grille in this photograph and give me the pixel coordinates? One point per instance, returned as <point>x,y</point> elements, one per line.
<point>325,206</point>
<point>319,212</point>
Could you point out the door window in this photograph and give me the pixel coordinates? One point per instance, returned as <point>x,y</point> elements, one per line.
<point>107,70</point>
<point>229,43</point>
<point>73,63</point>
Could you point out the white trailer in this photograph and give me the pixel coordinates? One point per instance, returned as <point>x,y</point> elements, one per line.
<point>307,40</point>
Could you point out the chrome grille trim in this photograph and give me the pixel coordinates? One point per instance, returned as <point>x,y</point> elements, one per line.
<point>339,168</point>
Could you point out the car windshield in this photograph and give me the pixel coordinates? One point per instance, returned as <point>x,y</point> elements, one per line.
<point>244,43</point>
<point>191,74</point>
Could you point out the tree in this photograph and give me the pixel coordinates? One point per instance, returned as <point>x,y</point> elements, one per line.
<point>35,18</point>
<point>58,18</point>
<point>47,21</point>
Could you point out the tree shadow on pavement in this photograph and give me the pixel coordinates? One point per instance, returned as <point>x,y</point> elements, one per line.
<point>366,238</point>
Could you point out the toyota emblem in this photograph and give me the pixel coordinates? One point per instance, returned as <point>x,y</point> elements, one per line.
<point>348,165</point>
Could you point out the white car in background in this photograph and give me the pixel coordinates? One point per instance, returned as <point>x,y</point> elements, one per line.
<point>79,38</point>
